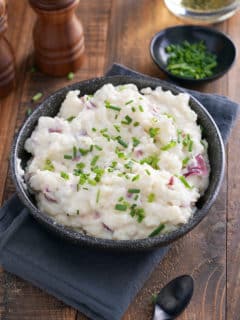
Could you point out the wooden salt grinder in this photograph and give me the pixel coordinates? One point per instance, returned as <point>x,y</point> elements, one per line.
<point>7,65</point>
<point>58,36</point>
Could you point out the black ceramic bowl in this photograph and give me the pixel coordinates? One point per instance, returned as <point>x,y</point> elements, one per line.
<point>216,43</point>
<point>50,107</point>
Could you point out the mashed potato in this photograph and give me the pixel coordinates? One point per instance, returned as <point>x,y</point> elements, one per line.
<point>119,164</point>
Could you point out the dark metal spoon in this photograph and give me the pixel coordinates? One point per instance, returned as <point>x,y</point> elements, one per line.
<point>173,298</point>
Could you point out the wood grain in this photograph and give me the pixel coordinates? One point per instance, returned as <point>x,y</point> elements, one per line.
<point>120,31</point>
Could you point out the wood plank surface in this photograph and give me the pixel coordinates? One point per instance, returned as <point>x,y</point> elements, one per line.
<point>120,31</point>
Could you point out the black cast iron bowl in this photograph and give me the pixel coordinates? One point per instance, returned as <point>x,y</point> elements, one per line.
<point>50,107</point>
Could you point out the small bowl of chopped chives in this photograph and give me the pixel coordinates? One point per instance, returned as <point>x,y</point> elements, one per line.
<point>192,54</point>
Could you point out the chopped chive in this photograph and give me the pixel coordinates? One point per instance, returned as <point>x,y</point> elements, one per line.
<point>133,190</point>
<point>140,107</point>
<point>74,151</point>
<point>84,188</point>
<point>94,129</point>
<point>138,212</point>
<point>157,230</point>
<point>136,197</point>
<point>151,197</point>
<point>117,127</point>
<point>127,120</point>
<point>70,76</point>
<point>48,165</point>
<point>128,102</point>
<point>37,96</point>
<point>120,207</point>
<point>78,212</point>
<point>98,147</point>
<point>84,151</point>
<point>133,109</point>
<point>135,178</point>
<point>169,116</point>
<point>168,146</point>
<point>122,142</point>
<point>128,165</point>
<point>120,199</point>
<point>64,175</point>
<point>153,132</point>
<point>98,196</point>
<point>92,182</point>
<point>80,165</point>
<point>152,161</point>
<point>28,112</point>
<point>135,141</point>
<point>67,156</point>
<point>190,146</point>
<point>179,135</point>
<point>94,160</point>
<point>109,106</point>
<point>185,161</point>
<point>70,119</point>
<point>136,124</point>
<point>184,181</point>
<point>121,155</point>
<point>114,164</point>
<point>148,172</point>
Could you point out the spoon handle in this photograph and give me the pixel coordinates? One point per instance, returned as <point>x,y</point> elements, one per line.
<point>159,314</point>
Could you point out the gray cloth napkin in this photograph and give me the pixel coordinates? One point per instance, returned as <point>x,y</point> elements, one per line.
<point>98,283</point>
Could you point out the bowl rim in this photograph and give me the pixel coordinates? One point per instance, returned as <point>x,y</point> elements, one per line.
<point>217,33</point>
<point>90,241</point>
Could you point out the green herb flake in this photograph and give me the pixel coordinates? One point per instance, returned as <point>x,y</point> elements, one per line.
<point>122,142</point>
<point>48,165</point>
<point>109,106</point>
<point>179,135</point>
<point>37,97</point>
<point>120,199</point>
<point>136,124</point>
<point>128,165</point>
<point>64,175</point>
<point>94,129</point>
<point>151,197</point>
<point>133,190</point>
<point>67,156</point>
<point>98,195</point>
<point>135,141</point>
<point>140,107</point>
<point>190,146</point>
<point>84,151</point>
<point>184,181</point>
<point>120,207</point>
<point>135,178</point>
<point>92,182</point>
<point>98,147</point>
<point>117,127</point>
<point>156,231</point>
<point>153,132</point>
<point>128,102</point>
<point>78,212</point>
<point>152,161</point>
<point>70,119</point>
<point>80,165</point>
<point>170,116</point>
<point>94,161</point>
<point>148,172</point>
<point>133,109</point>
<point>127,120</point>
<point>185,161</point>
<point>169,146</point>
<point>139,213</point>
<point>74,152</point>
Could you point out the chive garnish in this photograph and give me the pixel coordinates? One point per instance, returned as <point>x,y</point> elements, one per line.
<point>70,76</point>
<point>185,161</point>
<point>190,146</point>
<point>151,197</point>
<point>94,129</point>
<point>133,109</point>
<point>117,127</point>
<point>80,165</point>
<point>64,175</point>
<point>48,165</point>
<point>136,197</point>
<point>120,207</point>
<point>120,199</point>
<point>157,230</point>
<point>94,160</point>
<point>92,182</point>
<point>179,135</point>
<point>148,172</point>
<point>128,102</point>
<point>140,107</point>
<point>85,151</point>
<point>77,211</point>
<point>138,212</point>
<point>127,120</point>
<point>67,156</point>
<point>98,196</point>
<point>153,132</point>
<point>74,151</point>
<point>128,165</point>
<point>169,116</point>
<point>135,141</point>
<point>152,161</point>
<point>109,106</point>
<point>184,181</point>
<point>122,142</point>
<point>133,190</point>
<point>37,96</point>
<point>135,178</point>
<point>70,119</point>
<point>98,147</point>
<point>136,124</point>
<point>168,146</point>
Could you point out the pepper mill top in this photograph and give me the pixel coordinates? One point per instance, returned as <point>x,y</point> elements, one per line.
<point>7,67</point>
<point>58,36</point>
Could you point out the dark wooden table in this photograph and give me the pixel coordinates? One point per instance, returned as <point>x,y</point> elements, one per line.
<point>120,30</point>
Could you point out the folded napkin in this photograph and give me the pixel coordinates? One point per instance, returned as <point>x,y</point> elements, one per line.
<point>98,283</point>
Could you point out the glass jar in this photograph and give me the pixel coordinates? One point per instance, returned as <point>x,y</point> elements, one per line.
<point>203,11</point>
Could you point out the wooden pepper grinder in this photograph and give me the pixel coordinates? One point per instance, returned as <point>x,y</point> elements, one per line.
<point>58,36</point>
<point>7,65</point>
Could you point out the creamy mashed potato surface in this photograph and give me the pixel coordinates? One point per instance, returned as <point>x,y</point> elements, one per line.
<point>119,164</point>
